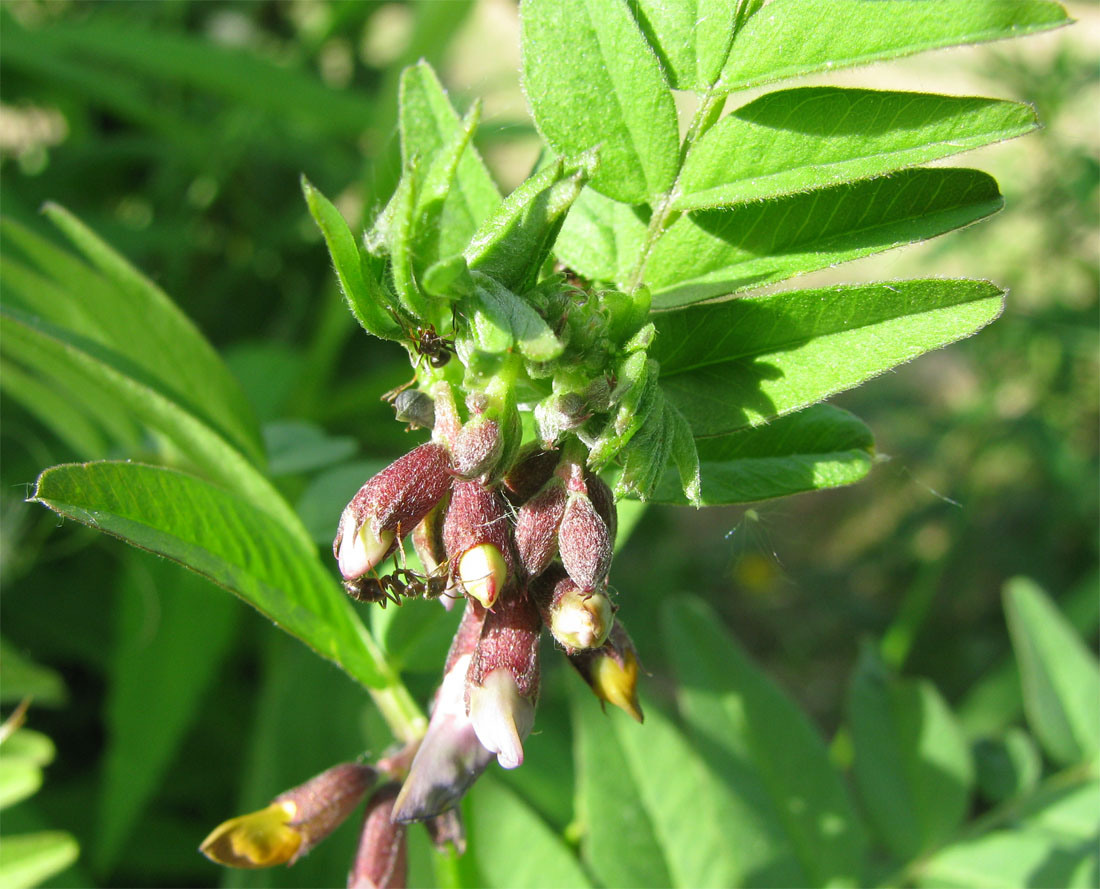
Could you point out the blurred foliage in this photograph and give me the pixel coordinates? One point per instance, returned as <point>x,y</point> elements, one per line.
<point>178,132</point>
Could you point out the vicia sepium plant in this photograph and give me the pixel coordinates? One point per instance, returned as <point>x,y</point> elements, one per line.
<point>589,337</point>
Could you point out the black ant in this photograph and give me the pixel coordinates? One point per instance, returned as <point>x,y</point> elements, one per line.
<point>427,344</point>
<point>401,582</point>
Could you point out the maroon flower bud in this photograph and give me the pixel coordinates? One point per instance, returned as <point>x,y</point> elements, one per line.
<point>611,671</point>
<point>604,501</point>
<point>584,540</point>
<point>447,829</point>
<point>381,861</point>
<point>390,504</point>
<point>477,447</point>
<point>477,533</point>
<point>577,619</point>
<point>502,683</point>
<point>537,526</point>
<point>532,469</point>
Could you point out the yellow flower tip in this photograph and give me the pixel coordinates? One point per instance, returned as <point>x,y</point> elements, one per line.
<point>618,684</point>
<point>258,839</point>
<point>483,573</point>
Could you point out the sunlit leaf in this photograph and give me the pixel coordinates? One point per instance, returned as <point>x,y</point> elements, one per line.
<point>818,447</point>
<point>814,137</point>
<point>225,539</point>
<point>709,253</point>
<point>593,82</point>
<point>789,38</point>
<point>739,363</point>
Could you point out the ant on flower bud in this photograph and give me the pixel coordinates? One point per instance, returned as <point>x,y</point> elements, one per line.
<point>401,583</point>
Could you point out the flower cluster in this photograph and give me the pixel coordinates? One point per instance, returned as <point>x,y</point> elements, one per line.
<point>524,537</point>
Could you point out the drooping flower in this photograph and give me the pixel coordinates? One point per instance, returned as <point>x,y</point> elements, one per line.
<point>577,619</point>
<point>293,823</point>
<point>477,533</point>
<point>502,683</point>
<point>611,671</point>
<point>450,758</point>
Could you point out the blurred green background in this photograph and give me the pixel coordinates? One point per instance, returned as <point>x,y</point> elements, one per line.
<point>178,131</point>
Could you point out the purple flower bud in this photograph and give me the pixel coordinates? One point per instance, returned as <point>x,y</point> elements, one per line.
<point>584,541</point>
<point>381,861</point>
<point>477,533</point>
<point>502,683</point>
<point>537,526</point>
<point>532,469</point>
<point>390,504</point>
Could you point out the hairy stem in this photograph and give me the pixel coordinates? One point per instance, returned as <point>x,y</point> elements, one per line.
<point>706,115</point>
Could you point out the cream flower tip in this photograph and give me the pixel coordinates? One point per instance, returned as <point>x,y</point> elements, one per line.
<point>483,573</point>
<point>360,550</point>
<point>501,717</point>
<point>582,620</point>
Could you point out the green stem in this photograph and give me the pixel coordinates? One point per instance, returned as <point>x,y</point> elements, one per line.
<point>706,115</point>
<point>401,712</point>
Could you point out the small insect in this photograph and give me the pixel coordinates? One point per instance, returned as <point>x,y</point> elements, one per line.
<point>429,344</point>
<point>401,583</point>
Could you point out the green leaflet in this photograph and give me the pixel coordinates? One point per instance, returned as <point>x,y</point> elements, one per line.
<point>818,447</point>
<point>227,540</point>
<point>428,123</point>
<point>814,137</point>
<point>790,38</point>
<point>512,244</point>
<point>363,292</point>
<point>711,253</point>
<point>692,39</point>
<point>601,239</point>
<point>740,362</point>
<point>110,301</point>
<point>594,83</point>
<point>1059,675</point>
<point>912,764</point>
<point>57,354</point>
